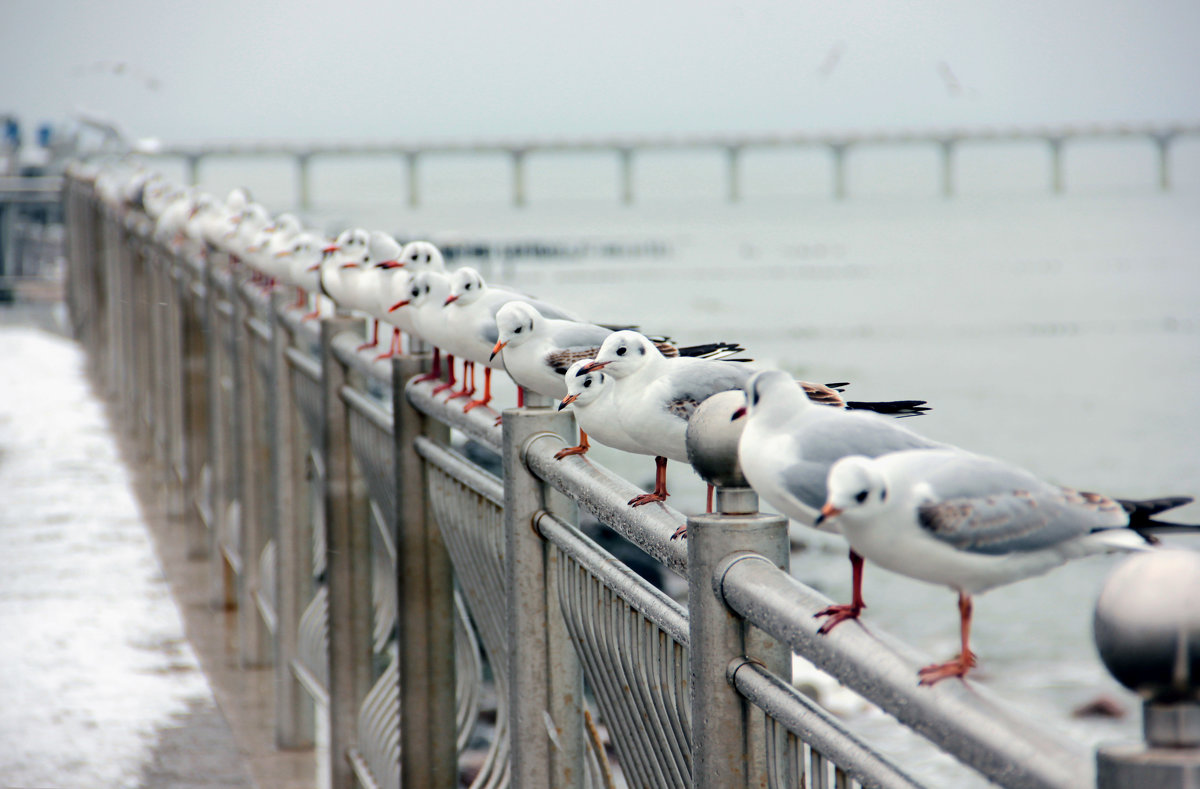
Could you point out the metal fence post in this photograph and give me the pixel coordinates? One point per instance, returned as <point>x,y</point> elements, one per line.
<point>294,713</point>
<point>348,563</point>
<point>729,746</point>
<point>425,609</point>
<point>219,417</point>
<point>252,478</point>
<point>545,680</point>
<point>194,393</point>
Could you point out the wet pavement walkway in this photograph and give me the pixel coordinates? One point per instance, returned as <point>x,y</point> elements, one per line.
<point>114,670</point>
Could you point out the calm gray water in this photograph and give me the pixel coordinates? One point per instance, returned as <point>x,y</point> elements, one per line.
<point>1060,333</point>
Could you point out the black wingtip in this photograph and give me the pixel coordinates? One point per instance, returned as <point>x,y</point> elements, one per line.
<point>897,408</point>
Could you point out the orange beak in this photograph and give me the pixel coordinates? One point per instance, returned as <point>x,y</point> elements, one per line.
<point>283,254</point>
<point>349,265</point>
<point>331,248</point>
<point>399,304</point>
<point>738,414</point>
<point>566,401</point>
<point>314,267</point>
<point>591,367</point>
<point>496,349</point>
<point>450,299</point>
<point>828,511</point>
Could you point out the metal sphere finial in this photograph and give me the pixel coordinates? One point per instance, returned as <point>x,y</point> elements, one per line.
<point>1147,624</point>
<point>712,440</point>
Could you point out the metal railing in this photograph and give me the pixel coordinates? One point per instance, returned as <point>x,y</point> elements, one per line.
<point>428,618</point>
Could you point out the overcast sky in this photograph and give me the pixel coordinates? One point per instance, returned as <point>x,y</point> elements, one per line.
<point>424,69</point>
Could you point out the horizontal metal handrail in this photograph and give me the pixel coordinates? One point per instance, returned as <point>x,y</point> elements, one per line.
<point>606,496</point>
<point>478,425</point>
<point>965,720</point>
<point>811,723</point>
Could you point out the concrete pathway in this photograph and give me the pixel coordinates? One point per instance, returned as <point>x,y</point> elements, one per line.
<point>100,684</point>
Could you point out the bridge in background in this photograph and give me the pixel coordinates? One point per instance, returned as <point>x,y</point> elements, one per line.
<point>625,148</point>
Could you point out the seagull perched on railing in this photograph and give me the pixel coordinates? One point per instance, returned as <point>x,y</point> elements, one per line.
<point>342,265</point>
<point>426,303</point>
<point>973,523</point>
<point>589,396</point>
<point>656,397</point>
<point>789,444</point>
<point>538,349</point>
<point>374,287</point>
<point>471,331</point>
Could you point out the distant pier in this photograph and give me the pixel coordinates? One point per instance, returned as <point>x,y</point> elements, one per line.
<point>625,150</point>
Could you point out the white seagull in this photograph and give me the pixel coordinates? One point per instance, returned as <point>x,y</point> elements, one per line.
<point>537,350</point>
<point>589,396</point>
<point>472,332</point>
<point>656,396</point>
<point>973,523</point>
<point>426,306</point>
<point>343,265</point>
<point>789,444</point>
<point>299,265</point>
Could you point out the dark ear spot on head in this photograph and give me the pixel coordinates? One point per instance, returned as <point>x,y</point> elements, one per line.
<point>642,350</point>
<point>883,495</point>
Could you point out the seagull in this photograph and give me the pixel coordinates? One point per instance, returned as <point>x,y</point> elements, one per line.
<point>656,397</point>
<point>375,285</point>
<point>789,444</point>
<point>972,523</point>
<point>299,266</point>
<point>538,350</point>
<point>426,305</point>
<point>589,395</point>
<point>341,268</point>
<point>471,312</point>
<point>422,256</point>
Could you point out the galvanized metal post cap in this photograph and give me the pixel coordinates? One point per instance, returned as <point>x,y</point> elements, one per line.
<point>1147,624</point>
<point>712,440</point>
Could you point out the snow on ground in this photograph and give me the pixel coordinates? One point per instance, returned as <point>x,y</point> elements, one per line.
<point>93,660</point>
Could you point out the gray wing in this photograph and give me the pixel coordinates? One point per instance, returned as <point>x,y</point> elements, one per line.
<point>832,435</point>
<point>489,332</point>
<point>551,311</point>
<point>806,481</point>
<point>570,334</point>
<point>989,507</point>
<point>825,441</point>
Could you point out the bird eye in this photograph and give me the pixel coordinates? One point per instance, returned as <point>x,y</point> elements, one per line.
<point>861,496</point>
<point>467,286</point>
<point>621,351</point>
<point>587,382</point>
<point>517,330</point>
